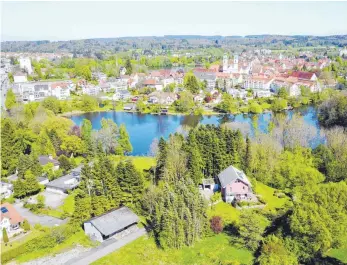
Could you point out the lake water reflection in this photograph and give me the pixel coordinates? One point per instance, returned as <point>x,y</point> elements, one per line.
<point>144,128</point>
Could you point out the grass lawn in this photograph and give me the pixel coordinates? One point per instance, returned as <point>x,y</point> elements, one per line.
<point>140,162</point>
<point>79,238</point>
<point>21,240</point>
<point>339,253</point>
<point>228,213</point>
<point>210,250</point>
<point>267,194</point>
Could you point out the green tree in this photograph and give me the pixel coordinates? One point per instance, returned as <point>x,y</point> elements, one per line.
<point>128,67</point>
<point>65,164</point>
<point>191,83</point>
<point>250,229</point>
<point>279,104</point>
<point>124,140</point>
<point>274,252</point>
<point>283,93</point>
<point>51,103</point>
<point>5,236</point>
<point>26,225</point>
<point>10,99</point>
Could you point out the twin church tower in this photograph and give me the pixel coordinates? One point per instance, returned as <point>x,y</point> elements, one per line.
<point>232,68</point>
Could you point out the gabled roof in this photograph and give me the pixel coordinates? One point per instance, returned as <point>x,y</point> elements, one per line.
<point>43,160</point>
<point>8,211</point>
<point>230,174</point>
<point>302,75</point>
<point>114,221</point>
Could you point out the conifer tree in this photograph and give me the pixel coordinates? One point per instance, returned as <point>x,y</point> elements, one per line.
<point>4,235</point>
<point>124,140</point>
<point>161,160</point>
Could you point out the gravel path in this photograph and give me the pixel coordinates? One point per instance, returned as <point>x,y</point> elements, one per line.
<point>58,259</point>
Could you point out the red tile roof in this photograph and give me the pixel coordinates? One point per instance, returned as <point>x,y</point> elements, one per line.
<point>11,214</point>
<point>302,75</point>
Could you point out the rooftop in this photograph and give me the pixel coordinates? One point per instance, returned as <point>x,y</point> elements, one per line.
<point>8,211</point>
<point>67,182</point>
<point>230,174</point>
<point>114,220</point>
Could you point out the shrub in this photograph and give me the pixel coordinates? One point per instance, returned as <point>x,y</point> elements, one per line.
<point>26,225</point>
<point>216,224</point>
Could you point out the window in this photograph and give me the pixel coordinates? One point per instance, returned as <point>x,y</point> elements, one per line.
<point>4,210</point>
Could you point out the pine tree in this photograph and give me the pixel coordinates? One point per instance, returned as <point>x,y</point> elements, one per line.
<point>5,236</point>
<point>128,67</point>
<point>82,210</point>
<point>161,160</point>
<point>124,140</point>
<point>31,184</point>
<point>248,157</point>
<point>9,152</point>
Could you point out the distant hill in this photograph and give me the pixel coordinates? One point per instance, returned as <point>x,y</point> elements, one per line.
<point>170,42</point>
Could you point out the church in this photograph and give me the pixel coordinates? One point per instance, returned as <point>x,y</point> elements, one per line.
<point>233,68</point>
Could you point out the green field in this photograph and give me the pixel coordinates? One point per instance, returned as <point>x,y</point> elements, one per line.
<point>211,250</point>
<point>267,194</point>
<point>140,162</point>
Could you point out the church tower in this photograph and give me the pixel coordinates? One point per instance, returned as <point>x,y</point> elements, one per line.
<point>225,62</point>
<point>236,62</point>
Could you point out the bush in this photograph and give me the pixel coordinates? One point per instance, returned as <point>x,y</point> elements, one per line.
<point>26,225</point>
<point>216,224</point>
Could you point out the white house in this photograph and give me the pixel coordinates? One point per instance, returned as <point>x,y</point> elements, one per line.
<point>20,78</point>
<point>10,218</point>
<point>90,90</point>
<point>25,64</point>
<point>257,82</point>
<point>6,189</point>
<point>61,90</point>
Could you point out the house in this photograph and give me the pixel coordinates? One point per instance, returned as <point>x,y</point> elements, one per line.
<point>209,184</point>
<point>25,64</point>
<point>10,218</point>
<point>65,183</point>
<point>129,107</point>
<point>235,185</point>
<point>90,90</point>
<point>20,77</point>
<point>165,98</point>
<point>237,93</point>
<point>152,83</point>
<point>61,90</point>
<point>257,82</point>
<point>6,189</point>
<point>109,224</point>
<point>122,70</point>
<point>304,75</point>
<point>206,76</point>
<point>44,160</point>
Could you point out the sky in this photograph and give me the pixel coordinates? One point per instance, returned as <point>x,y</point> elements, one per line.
<point>81,20</point>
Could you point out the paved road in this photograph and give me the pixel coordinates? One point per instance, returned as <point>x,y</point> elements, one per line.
<point>37,219</point>
<point>105,248</point>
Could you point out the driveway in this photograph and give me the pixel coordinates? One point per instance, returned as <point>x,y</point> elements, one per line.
<point>33,219</point>
<point>53,200</point>
<point>105,248</point>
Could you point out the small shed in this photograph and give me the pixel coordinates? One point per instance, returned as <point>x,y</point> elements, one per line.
<point>109,224</point>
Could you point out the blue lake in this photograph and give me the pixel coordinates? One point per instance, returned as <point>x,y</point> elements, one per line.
<point>144,128</point>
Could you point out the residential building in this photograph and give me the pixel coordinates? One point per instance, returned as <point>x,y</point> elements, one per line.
<point>19,77</point>
<point>235,186</point>
<point>237,93</point>
<point>65,183</point>
<point>153,83</point>
<point>206,76</point>
<point>121,95</point>
<point>25,64</point>
<point>44,160</point>
<point>61,90</point>
<point>304,75</point>
<point>257,82</point>
<point>6,189</point>
<point>165,98</point>
<point>111,223</point>
<point>10,218</point>
<point>90,90</point>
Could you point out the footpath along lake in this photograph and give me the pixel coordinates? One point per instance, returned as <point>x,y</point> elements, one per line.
<point>144,128</point>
